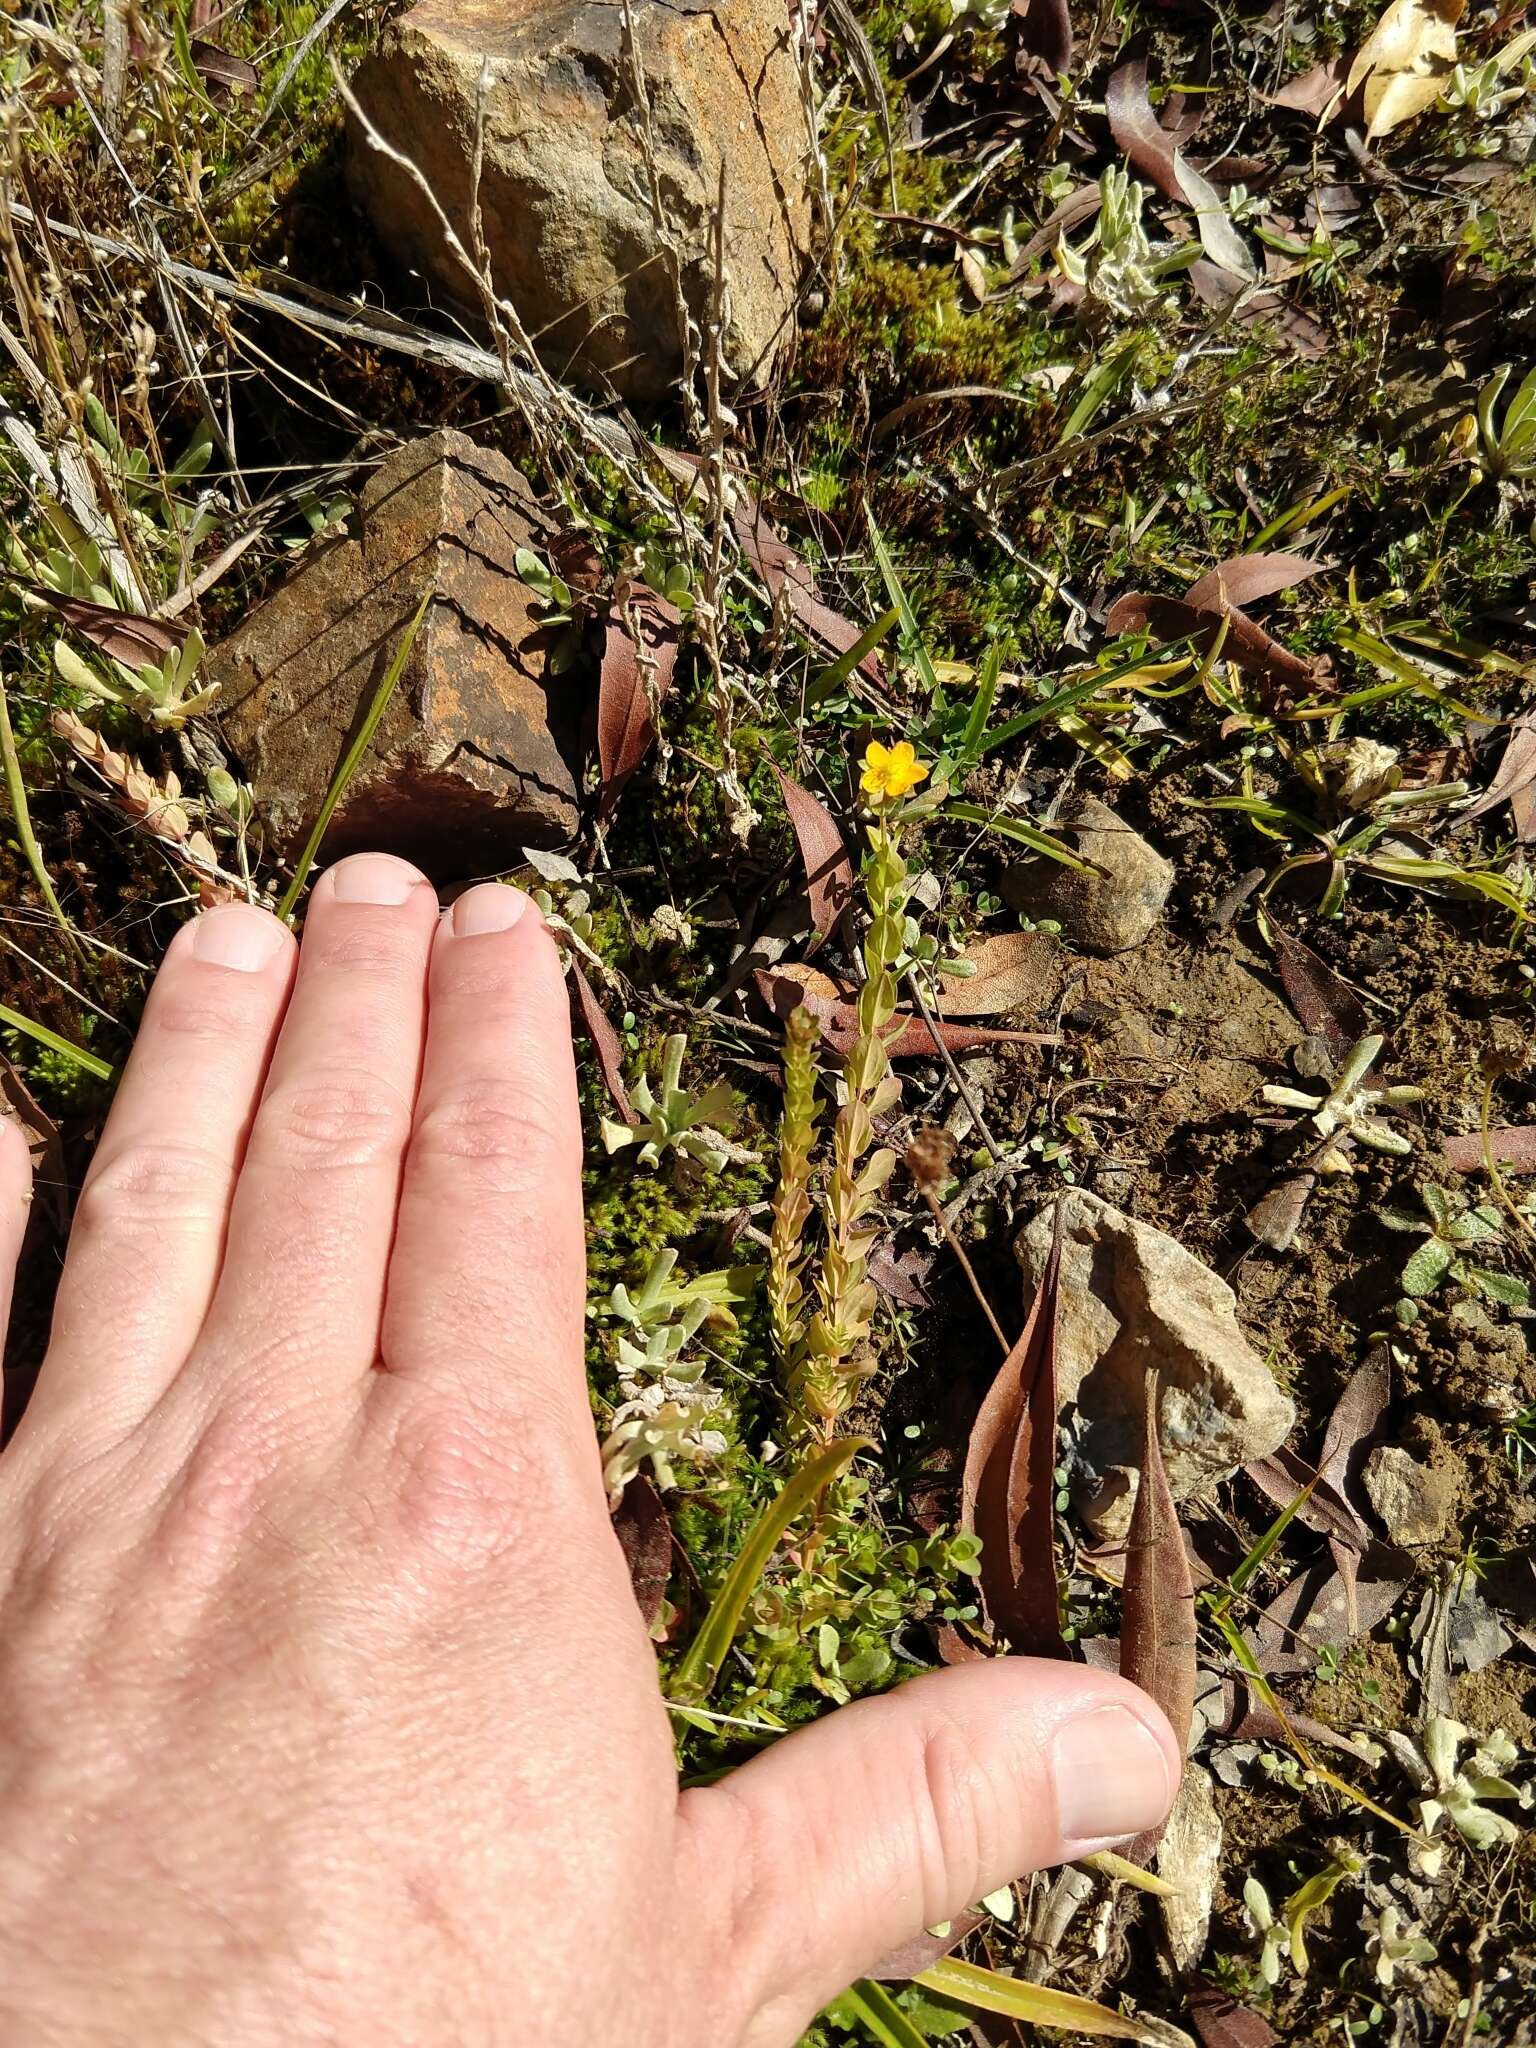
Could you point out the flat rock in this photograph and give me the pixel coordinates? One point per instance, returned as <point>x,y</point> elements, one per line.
<point>1415,1502</point>
<point>1107,912</point>
<point>472,759</point>
<point>568,198</point>
<point>1134,1301</point>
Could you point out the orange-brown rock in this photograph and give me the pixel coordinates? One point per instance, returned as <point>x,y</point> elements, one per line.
<point>472,759</point>
<point>568,198</point>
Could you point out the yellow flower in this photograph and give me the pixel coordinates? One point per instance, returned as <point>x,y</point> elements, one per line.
<point>890,772</point>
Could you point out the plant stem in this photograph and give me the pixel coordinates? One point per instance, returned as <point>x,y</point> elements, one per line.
<point>16,790</point>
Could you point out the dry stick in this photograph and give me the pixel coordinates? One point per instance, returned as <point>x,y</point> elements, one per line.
<point>935,1209</point>
<point>955,1074</point>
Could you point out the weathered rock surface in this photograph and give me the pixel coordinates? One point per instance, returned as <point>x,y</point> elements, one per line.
<point>471,759</point>
<point>1415,1502</point>
<point>1133,1301</point>
<point>1109,912</point>
<point>568,200</point>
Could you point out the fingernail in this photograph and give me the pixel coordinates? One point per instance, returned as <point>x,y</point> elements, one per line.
<point>493,907</point>
<point>373,878</point>
<point>236,935</point>
<point>1112,1780</point>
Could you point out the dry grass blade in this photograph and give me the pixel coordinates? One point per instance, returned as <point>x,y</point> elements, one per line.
<point>1039,2005</point>
<point>604,1041</point>
<point>1158,1648</point>
<point>639,656</point>
<point>1008,1491</point>
<point>828,870</point>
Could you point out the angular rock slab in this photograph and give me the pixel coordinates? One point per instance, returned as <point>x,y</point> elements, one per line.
<point>1134,1301</point>
<point>1108,912</point>
<point>472,759</point>
<point>567,197</point>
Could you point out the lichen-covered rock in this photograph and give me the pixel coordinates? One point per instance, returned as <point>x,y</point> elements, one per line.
<point>1415,1502</point>
<point>568,198</point>
<point>1107,912</point>
<point>1134,1301</point>
<point>472,759</point>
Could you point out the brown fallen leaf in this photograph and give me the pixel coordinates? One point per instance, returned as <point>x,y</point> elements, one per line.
<point>645,1536</point>
<point>1013,971</point>
<point>1247,643</point>
<point>128,637</point>
<point>1244,579</point>
<point>604,1040</point>
<point>222,69</point>
<point>828,869</point>
<point>1219,289</point>
<point>1151,147</point>
<point>782,569</point>
<point>1405,62</point>
<point>924,1950</point>
<point>1324,1001</point>
<point>1276,1217</point>
<point>625,726</point>
<point>1284,1477</point>
<point>1008,1491</point>
<point>1222,2023</point>
<point>1316,91</point>
<point>1044,31</point>
<point>1158,1649</point>
<point>1313,1613</point>
<point>836,1010</point>
<point>1513,1147</point>
<point>1515,780</point>
<point>1077,207</point>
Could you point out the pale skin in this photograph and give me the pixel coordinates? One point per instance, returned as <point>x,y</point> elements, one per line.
<point>326,1714</point>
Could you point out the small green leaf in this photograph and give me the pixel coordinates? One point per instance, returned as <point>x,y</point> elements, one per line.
<point>1427,1267</point>
<point>1503,1288</point>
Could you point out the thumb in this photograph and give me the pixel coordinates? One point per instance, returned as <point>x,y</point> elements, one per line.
<point>848,1838</point>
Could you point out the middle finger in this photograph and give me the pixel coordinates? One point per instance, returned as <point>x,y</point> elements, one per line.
<point>302,1290</point>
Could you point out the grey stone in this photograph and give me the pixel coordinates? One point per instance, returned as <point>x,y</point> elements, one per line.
<point>568,199</point>
<point>1134,1301</point>
<point>472,759</point>
<point>1108,912</point>
<point>1414,1501</point>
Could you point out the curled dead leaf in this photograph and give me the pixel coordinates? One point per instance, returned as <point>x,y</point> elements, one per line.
<point>640,647</point>
<point>1405,62</point>
<point>1158,1649</point>
<point>836,1010</point>
<point>828,869</point>
<point>1008,1491</point>
<point>645,1536</point>
<point>604,1040</point>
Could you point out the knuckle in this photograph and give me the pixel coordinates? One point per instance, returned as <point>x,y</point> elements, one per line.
<point>149,1186</point>
<point>957,1806</point>
<point>194,1012</point>
<point>387,952</point>
<point>328,1121</point>
<point>460,1483</point>
<point>513,1135</point>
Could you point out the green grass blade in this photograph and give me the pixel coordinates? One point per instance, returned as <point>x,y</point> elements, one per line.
<point>62,1046</point>
<point>873,2006</point>
<point>362,740</point>
<point>971,747</point>
<point>1297,517</point>
<point>16,790</point>
<point>1039,2006</point>
<point>902,604</point>
<point>1015,828</point>
<point>1062,700</point>
<point>1098,387</point>
<point>700,1667</point>
<point>826,680</point>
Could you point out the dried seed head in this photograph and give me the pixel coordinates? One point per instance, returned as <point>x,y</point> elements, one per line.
<point>930,1157</point>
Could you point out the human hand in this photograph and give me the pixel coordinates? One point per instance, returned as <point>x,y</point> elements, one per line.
<point>326,1714</point>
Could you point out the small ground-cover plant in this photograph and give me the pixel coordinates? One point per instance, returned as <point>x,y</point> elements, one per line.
<point>1447,1227</point>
